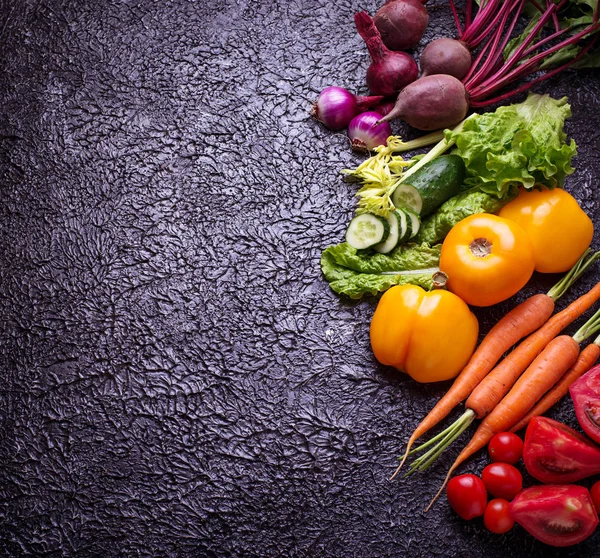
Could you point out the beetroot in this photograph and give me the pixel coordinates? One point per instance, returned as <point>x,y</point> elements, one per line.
<point>446,56</point>
<point>389,71</point>
<point>585,393</point>
<point>401,23</point>
<point>431,103</point>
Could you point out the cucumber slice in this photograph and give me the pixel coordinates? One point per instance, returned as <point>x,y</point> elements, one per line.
<point>398,226</point>
<point>415,222</point>
<point>366,230</point>
<point>407,196</point>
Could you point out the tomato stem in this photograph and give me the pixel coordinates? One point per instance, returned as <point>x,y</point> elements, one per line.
<point>480,247</point>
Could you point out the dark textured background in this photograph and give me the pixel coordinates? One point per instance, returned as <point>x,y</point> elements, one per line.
<point>177,378</point>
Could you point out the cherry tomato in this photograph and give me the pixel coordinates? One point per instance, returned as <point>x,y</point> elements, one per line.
<point>505,447</point>
<point>558,228</point>
<point>467,496</point>
<point>487,259</point>
<point>502,480</point>
<point>497,518</point>
<point>595,492</point>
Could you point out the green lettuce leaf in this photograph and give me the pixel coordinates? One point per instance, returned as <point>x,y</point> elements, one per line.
<point>517,145</point>
<point>355,274</point>
<point>435,228</point>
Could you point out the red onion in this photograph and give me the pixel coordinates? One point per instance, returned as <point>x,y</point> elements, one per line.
<point>389,71</point>
<point>401,23</point>
<point>364,134</point>
<point>336,106</point>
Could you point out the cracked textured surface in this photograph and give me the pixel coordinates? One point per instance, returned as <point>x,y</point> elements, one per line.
<point>177,377</point>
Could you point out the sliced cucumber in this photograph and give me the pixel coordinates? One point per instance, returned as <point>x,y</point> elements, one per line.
<point>415,222</point>
<point>366,230</point>
<point>407,196</point>
<point>398,226</point>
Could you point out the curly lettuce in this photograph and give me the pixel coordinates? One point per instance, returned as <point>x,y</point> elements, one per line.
<point>517,145</point>
<point>435,228</point>
<point>354,274</point>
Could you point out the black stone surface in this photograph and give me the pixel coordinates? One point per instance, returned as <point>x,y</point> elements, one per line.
<point>177,379</point>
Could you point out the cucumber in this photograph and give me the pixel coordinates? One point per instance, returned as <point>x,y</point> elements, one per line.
<point>398,223</point>
<point>414,222</point>
<point>407,196</point>
<point>438,181</point>
<point>366,230</point>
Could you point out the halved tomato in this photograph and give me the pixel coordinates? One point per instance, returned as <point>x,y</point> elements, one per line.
<point>585,393</point>
<point>558,515</point>
<point>554,453</point>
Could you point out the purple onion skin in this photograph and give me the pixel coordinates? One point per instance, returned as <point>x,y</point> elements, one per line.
<point>431,103</point>
<point>446,56</point>
<point>335,107</point>
<point>363,133</point>
<point>401,23</point>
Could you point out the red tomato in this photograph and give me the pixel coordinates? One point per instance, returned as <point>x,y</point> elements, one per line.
<point>595,492</point>
<point>558,515</point>
<point>502,480</point>
<point>585,393</point>
<point>497,518</point>
<point>556,454</point>
<point>505,447</point>
<point>467,496</point>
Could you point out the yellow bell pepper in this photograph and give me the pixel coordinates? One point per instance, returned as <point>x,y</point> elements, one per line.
<point>558,228</point>
<point>428,335</point>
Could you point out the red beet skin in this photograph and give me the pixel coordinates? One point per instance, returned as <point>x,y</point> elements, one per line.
<point>389,71</point>
<point>401,23</point>
<point>445,56</point>
<point>431,103</point>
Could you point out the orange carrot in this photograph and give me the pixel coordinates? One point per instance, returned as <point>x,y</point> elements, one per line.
<point>586,360</point>
<point>545,370</point>
<point>445,438</point>
<point>518,323</point>
<point>497,383</point>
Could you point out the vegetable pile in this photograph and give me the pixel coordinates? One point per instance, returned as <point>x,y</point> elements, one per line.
<point>467,224</point>
<point>406,208</point>
<point>490,61</point>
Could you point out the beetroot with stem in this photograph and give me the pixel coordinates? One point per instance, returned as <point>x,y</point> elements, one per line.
<point>428,104</point>
<point>401,23</point>
<point>389,71</point>
<point>492,28</point>
<point>431,103</point>
<point>445,56</point>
